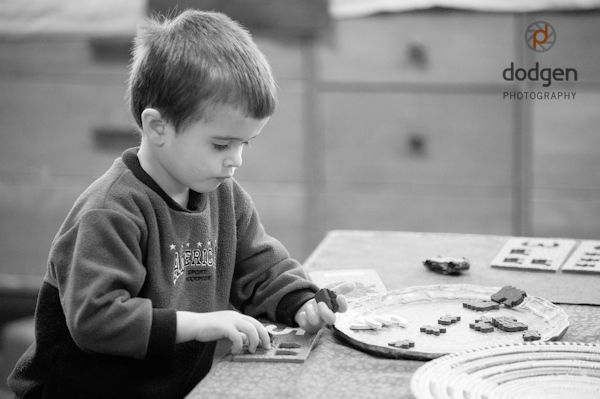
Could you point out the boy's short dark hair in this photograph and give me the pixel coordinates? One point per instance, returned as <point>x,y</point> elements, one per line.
<point>185,65</point>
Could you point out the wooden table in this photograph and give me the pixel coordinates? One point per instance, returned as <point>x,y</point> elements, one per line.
<point>335,370</point>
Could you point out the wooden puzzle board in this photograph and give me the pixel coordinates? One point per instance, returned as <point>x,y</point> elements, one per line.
<point>288,345</point>
<point>547,254</point>
<point>532,370</point>
<point>424,305</point>
<point>585,258</point>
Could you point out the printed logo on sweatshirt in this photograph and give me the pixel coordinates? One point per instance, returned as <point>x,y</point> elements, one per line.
<point>197,261</point>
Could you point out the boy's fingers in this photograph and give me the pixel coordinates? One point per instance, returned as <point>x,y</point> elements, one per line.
<point>301,320</point>
<point>263,334</point>
<point>237,341</point>
<point>342,303</point>
<point>245,326</point>
<point>311,313</point>
<point>344,288</point>
<point>326,314</point>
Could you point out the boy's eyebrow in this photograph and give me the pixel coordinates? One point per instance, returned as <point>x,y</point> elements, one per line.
<point>233,138</point>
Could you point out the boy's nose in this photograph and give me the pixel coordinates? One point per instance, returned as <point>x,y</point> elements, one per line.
<point>234,159</point>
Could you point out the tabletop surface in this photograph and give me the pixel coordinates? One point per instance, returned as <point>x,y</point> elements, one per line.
<point>334,370</point>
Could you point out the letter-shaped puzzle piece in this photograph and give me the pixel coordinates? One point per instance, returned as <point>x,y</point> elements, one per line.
<point>509,324</point>
<point>481,326</point>
<point>433,330</point>
<point>509,296</point>
<point>481,305</point>
<point>328,297</point>
<point>403,344</point>
<point>446,320</point>
<point>531,335</point>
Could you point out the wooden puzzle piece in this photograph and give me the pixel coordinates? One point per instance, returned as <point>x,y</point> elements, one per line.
<point>328,297</point>
<point>446,320</point>
<point>433,330</point>
<point>509,296</point>
<point>403,344</point>
<point>481,305</point>
<point>447,264</point>
<point>360,325</point>
<point>372,321</point>
<point>531,335</point>
<point>366,323</point>
<point>509,324</point>
<point>377,321</point>
<point>481,326</point>
<point>388,320</point>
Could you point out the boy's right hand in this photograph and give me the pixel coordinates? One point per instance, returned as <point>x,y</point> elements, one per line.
<point>229,324</point>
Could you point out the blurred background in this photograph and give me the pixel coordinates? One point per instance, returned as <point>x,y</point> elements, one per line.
<point>391,117</point>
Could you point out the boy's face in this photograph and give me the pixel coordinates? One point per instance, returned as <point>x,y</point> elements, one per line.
<point>205,153</point>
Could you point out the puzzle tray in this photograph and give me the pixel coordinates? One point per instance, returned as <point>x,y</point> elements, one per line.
<point>424,305</point>
<point>529,370</point>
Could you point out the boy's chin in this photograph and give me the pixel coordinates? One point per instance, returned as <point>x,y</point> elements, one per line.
<point>208,186</point>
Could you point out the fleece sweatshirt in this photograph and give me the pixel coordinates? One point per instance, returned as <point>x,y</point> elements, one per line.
<point>125,259</point>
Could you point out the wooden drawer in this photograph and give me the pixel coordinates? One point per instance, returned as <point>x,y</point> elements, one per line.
<point>78,58</point>
<point>421,139</point>
<point>65,59</point>
<point>277,154</point>
<point>566,143</point>
<point>284,56</point>
<point>30,216</point>
<point>577,45</point>
<point>282,211</point>
<point>563,213</point>
<point>432,47</point>
<point>48,129</point>
<point>471,211</point>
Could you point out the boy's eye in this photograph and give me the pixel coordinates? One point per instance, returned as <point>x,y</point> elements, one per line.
<point>220,147</point>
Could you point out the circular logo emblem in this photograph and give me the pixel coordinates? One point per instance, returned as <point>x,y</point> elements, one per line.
<point>540,36</point>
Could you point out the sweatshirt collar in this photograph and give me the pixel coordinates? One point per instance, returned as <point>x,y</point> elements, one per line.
<point>196,200</point>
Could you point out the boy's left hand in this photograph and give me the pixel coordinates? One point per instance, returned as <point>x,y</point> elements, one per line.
<point>312,315</point>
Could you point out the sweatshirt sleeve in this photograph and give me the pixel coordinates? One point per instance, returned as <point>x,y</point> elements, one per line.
<point>267,281</point>
<point>96,265</point>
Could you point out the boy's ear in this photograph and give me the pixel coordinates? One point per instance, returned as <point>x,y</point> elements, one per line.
<point>154,126</point>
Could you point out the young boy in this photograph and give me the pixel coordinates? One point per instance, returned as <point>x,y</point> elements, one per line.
<point>143,269</point>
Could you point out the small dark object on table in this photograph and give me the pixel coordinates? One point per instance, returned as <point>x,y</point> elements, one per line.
<point>328,297</point>
<point>509,296</point>
<point>447,265</point>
